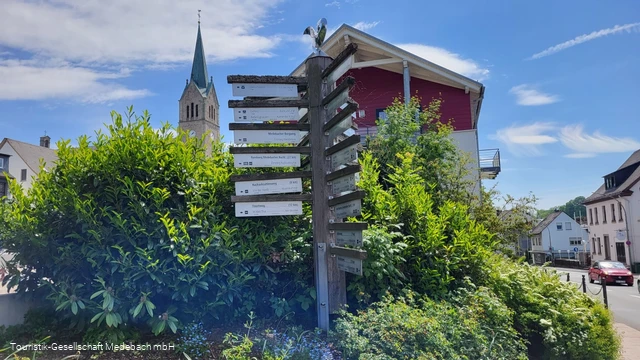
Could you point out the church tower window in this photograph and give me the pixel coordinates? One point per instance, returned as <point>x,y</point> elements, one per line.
<point>196,110</point>
<point>191,109</point>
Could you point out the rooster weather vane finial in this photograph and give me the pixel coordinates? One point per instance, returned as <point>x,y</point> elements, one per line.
<point>318,36</point>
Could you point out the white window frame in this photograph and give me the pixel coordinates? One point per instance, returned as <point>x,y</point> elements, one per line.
<point>567,225</point>
<point>559,228</point>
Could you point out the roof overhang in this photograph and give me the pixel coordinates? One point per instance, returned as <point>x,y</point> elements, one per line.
<point>378,53</point>
<point>606,197</point>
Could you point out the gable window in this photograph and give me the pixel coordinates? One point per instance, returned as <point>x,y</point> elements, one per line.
<point>620,212</point>
<point>573,241</point>
<point>590,217</point>
<point>567,225</point>
<point>23,175</point>
<point>559,226</point>
<point>596,210</point>
<point>609,182</point>
<point>604,214</point>
<point>613,213</point>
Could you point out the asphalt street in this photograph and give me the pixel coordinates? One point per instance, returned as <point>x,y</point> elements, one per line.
<point>624,301</point>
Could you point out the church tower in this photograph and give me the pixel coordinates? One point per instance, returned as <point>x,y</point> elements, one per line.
<point>199,108</point>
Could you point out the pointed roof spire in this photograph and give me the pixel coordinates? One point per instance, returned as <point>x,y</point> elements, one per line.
<point>199,73</point>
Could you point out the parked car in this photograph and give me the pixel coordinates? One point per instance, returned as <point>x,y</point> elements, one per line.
<point>613,272</point>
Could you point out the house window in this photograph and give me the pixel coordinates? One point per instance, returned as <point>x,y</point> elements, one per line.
<point>559,226</point>
<point>187,115</point>
<point>604,214</point>
<point>23,175</point>
<point>599,247</point>
<point>613,212</point>
<point>620,212</point>
<point>381,114</point>
<point>593,248</point>
<point>1,163</point>
<point>596,211</point>
<point>574,241</point>
<point>567,225</point>
<point>3,188</point>
<point>590,217</point>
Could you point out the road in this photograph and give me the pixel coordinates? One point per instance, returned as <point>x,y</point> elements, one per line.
<point>624,301</point>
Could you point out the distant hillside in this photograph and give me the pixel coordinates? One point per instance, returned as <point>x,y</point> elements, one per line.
<point>570,208</point>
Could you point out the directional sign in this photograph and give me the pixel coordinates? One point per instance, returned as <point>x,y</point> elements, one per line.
<point>266,114</point>
<point>337,103</point>
<point>340,128</point>
<point>349,265</point>
<point>345,183</point>
<point>275,186</point>
<point>340,70</point>
<point>349,208</point>
<point>265,90</point>
<point>268,208</point>
<point>266,160</point>
<point>349,237</point>
<point>344,156</point>
<point>266,136</point>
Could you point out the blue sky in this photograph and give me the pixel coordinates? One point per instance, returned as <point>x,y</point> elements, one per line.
<point>561,76</point>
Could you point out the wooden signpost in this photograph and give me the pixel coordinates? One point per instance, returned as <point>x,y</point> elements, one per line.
<point>264,117</point>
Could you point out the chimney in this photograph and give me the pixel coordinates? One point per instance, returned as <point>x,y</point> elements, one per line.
<point>45,141</point>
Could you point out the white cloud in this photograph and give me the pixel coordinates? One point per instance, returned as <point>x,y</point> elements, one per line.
<point>449,60</point>
<point>364,26</point>
<point>574,138</point>
<point>586,37</point>
<point>528,96</point>
<point>333,3</point>
<point>526,139</point>
<point>580,155</point>
<point>31,80</point>
<point>145,31</point>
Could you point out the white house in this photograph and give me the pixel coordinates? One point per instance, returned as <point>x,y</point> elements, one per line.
<point>21,161</point>
<point>614,215</point>
<point>559,234</point>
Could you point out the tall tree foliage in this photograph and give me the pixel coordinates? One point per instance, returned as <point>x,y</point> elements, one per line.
<point>574,208</point>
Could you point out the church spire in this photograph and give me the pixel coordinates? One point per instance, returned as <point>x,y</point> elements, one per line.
<point>199,73</point>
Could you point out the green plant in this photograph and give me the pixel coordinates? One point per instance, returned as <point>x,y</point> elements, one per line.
<point>558,320</point>
<point>136,227</point>
<point>381,273</point>
<point>475,325</point>
<point>193,340</point>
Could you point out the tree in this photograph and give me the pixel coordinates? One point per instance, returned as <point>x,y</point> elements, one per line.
<point>574,208</point>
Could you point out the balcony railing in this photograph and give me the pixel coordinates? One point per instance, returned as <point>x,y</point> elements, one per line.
<point>489,163</point>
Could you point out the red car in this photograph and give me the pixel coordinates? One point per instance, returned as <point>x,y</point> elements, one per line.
<point>612,272</point>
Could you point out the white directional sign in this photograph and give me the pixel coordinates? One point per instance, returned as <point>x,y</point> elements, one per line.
<point>350,265</point>
<point>265,90</point>
<point>341,127</point>
<point>349,237</point>
<point>344,156</point>
<point>268,208</point>
<point>266,136</point>
<point>345,183</point>
<point>349,208</point>
<point>266,160</point>
<point>266,114</point>
<point>333,106</point>
<point>276,186</point>
<point>340,70</point>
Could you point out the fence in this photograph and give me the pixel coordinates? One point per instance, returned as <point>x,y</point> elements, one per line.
<point>585,288</point>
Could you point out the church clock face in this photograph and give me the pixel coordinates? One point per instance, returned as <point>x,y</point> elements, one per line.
<point>192,133</point>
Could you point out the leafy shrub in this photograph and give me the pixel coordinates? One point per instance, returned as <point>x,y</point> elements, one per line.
<point>557,319</point>
<point>443,245</point>
<point>474,325</point>
<point>137,227</point>
<point>381,274</point>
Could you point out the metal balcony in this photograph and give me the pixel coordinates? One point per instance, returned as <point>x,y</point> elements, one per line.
<point>489,163</point>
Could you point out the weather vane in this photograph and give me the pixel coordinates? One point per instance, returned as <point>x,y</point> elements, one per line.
<point>199,17</point>
<point>318,36</point>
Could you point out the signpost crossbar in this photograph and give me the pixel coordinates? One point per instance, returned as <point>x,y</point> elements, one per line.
<point>344,55</point>
<point>348,170</point>
<point>266,79</point>
<point>356,195</point>
<point>265,103</point>
<point>270,150</point>
<point>344,86</point>
<point>271,176</point>
<point>335,120</point>
<point>350,226</point>
<point>263,126</point>
<point>272,197</point>
<point>351,140</point>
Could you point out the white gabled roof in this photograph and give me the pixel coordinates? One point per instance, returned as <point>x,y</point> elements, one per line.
<point>372,49</point>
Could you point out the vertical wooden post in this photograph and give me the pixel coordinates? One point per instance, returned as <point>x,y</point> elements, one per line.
<point>584,284</point>
<point>319,166</point>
